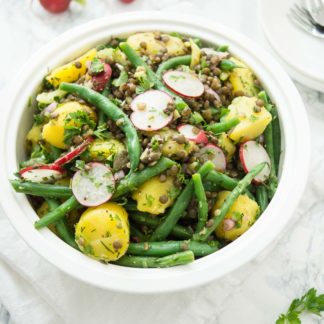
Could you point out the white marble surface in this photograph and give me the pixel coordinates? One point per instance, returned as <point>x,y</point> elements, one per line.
<point>254,294</point>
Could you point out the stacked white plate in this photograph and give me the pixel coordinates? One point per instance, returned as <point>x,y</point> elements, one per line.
<point>300,53</point>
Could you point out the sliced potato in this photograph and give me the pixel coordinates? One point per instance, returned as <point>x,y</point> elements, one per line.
<point>101,150</point>
<point>174,45</point>
<point>102,232</point>
<point>242,79</point>
<point>228,147</point>
<point>239,218</point>
<point>53,131</point>
<point>155,196</point>
<point>35,134</point>
<point>46,98</point>
<point>195,54</point>
<point>172,149</point>
<point>72,71</point>
<point>252,123</point>
<point>112,55</point>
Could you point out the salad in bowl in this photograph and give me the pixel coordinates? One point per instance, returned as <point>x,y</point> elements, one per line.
<point>151,151</point>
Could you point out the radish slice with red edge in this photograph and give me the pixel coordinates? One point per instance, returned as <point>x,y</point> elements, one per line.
<point>93,185</point>
<point>148,110</point>
<point>213,153</point>
<point>42,173</point>
<point>193,133</point>
<point>183,83</point>
<point>68,157</point>
<point>253,153</point>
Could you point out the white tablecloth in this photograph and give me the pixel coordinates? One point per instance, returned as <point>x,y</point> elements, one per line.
<point>35,292</point>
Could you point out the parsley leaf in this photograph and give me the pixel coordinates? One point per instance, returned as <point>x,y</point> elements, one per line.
<point>196,118</point>
<point>96,66</point>
<point>101,132</point>
<point>144,83</point>
<point>74,123</point>
<point>123,78</point>
<point>310,303</point>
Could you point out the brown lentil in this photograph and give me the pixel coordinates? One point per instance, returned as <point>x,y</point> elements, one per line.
<point>163,199</point>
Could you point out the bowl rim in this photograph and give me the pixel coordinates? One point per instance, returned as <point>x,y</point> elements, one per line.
<point>295,158</point>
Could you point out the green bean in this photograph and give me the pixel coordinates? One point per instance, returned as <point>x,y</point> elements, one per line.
<point>134,180</point>
<point>218,128</point>
<point>262,197</point>
<point>114,113</point>
<point>268,139</point>
<point>135,232</point>
<point>160,249</point>
<point>215,179</point>
<point>180,205</point>
<point>202,202</point>
<point>101,118</point>
<point>58,213</point>
<point>221,179</point>
<point>227,65</point>
<point>41,189</point>
<point>172,260</point>
<point>136,60</point>
<point>217,218</point>
<point>61,225</point>
<point>172,63</point>
<point>276,138</point>
<point>178,231</point>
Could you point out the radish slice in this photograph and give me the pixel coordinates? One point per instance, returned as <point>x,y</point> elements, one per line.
<point>193,133</point>
<point>210,51</point>
<point>251,154</point>
<point>74,153</point>
<point>42,173</point>
<point>183,83</point>
<point>215,154</point>
<point>149,109</point>
<point>94,185</point>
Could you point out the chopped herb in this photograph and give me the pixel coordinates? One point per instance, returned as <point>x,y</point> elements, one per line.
<point>203,63</point>
<point>222,48</point>
<point>74,123</point>
<point>196,118</point>
<point>224,112</point>
<point>96,66</point>
<point>79,164</point>
<point>149,200</point>
<point>40,119</point>
<point>88,249</point>
<point>310,303</point>
<point>101,132</point>
<point>253,118</point>
<point>237,217</point>
<point>122,79</point>
<point>144,83</point>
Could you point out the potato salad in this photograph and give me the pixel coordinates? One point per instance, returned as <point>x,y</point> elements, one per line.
<point>150,151</point>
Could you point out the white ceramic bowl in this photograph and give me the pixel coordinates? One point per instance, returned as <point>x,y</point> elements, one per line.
<point>294,162</point>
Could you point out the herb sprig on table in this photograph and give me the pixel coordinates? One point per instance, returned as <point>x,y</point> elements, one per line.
<point>310,303</point>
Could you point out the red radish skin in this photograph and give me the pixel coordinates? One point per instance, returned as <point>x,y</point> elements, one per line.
<point>94,185</point>
<point>213,153</point>
<point>148,110</point>
<point>251,154</point>
<point>126,1</point>
<point>184,84</point>
<point>55,6</point>
<point>42,173</point>
<point>100,80</point>
<point>189,133</point>
<point>68,157</point>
